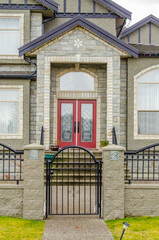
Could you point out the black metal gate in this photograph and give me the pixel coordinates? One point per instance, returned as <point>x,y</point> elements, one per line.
<point>73,183</point>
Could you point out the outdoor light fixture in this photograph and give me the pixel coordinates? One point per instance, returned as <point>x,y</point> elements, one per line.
<point>125,226</point>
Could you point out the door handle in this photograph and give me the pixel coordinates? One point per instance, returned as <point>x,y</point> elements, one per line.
<point>78,127</point>
<point>74,127</point>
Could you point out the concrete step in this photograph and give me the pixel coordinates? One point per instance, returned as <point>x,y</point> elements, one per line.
<point>76,154</point>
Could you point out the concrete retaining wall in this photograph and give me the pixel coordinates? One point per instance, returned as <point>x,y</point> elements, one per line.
<point>11,200</point>
<point>142,200</point>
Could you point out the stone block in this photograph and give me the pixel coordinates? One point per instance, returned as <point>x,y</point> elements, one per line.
<point>33,202</point>
<point>113,183</point>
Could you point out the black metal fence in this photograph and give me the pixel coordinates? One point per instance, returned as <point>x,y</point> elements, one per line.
<point>114,137</point>
<point>73,183</point>
<point>143,164</point>
<point>42,136</point>
<point>11,164</point>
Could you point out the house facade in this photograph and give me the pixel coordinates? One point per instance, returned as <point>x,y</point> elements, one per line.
<point>70,66</point>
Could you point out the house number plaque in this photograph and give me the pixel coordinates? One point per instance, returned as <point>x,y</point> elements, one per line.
<point>33,154</point>
<point>114,155</point>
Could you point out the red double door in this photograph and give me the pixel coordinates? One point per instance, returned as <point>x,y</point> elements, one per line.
<point>77,123</point>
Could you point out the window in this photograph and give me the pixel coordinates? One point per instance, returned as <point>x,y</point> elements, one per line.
<point>10,107</point>
<point>9,35</point>
<point>148,103</point>
<point>76,81</point>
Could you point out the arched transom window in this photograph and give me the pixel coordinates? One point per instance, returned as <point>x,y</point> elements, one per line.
<point>76,81</point>
<point>148,103</point>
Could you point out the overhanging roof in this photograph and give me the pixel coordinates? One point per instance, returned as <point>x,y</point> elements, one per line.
<point>146,49</point>
<point>116,8</point>
<point>50,4</point>
<point>78,21</point>
<point>149,19</point>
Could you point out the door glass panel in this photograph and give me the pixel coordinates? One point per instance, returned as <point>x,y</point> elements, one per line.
<point>86,122</point>
<point>66,122</point>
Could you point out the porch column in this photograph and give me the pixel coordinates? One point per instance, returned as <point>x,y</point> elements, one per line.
<point>33,196</point>
<point>40,96</point>
<point>116,94</point>
<point>113,182</point>
<point>113,95</point>
<point>43,99</point>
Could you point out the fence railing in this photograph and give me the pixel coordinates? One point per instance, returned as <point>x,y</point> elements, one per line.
<point>114,137</point>
<point>143,164</point>
<point>42,136</point>
<point>11,164</point>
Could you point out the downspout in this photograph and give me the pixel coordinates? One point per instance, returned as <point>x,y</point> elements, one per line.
<point>47,20</point>
<point>33,75</point>
<point>21,76</point>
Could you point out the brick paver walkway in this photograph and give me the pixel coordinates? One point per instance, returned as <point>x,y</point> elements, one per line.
<point>76,228</point>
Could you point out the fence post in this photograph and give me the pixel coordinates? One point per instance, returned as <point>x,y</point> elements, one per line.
<point>113,182</point>
<point>33,199</point>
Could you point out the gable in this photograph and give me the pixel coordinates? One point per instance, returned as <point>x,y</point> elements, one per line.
<point>92,6</point>
<point>144,32</point>
<point>116,8</point>
<point>85,6</point>
<point>86,25</point>
<point>79,42</point>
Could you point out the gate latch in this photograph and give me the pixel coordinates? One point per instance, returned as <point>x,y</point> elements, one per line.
<point>51,171</point>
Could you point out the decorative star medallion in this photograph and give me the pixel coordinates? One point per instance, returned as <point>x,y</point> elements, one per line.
<point>78,43</point>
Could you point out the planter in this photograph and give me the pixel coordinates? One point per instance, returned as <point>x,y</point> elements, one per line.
<point>54,148</point>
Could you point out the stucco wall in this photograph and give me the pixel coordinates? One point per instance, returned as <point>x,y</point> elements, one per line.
<point>86,6</point>
<point>105,23</point>
<point>155,34</point>
<point>54,23</point>
<point>142,200</point>
<point>108,24</point>
<point>134,67</point>
<point>11,200</point>
<point>144,35</point>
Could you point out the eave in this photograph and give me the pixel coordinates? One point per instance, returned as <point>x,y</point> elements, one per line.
<point>50,4</point>
<point>82,22</point>
<point>43,5</point>
<point>149,19</point>
<point>116,8</point>
<point>17,76</point>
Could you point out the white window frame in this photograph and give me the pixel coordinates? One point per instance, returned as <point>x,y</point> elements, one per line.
<point>18,135</point>
<point>93,75</point>
<point>21,35</point>
<point>136,109</point>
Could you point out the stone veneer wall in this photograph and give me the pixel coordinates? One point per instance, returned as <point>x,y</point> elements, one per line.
<point>101,73</point>
<point>65,50</point>
<point>11,200</point>
<point>142,200</point>
<point>123,105</point>
<point>33,96</point>
<point>36,25</point>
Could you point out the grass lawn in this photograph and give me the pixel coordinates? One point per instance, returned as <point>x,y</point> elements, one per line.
<point>20,229</point>
<point>145,228</point>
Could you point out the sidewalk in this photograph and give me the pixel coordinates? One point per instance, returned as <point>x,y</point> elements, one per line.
<point>76,228</point>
